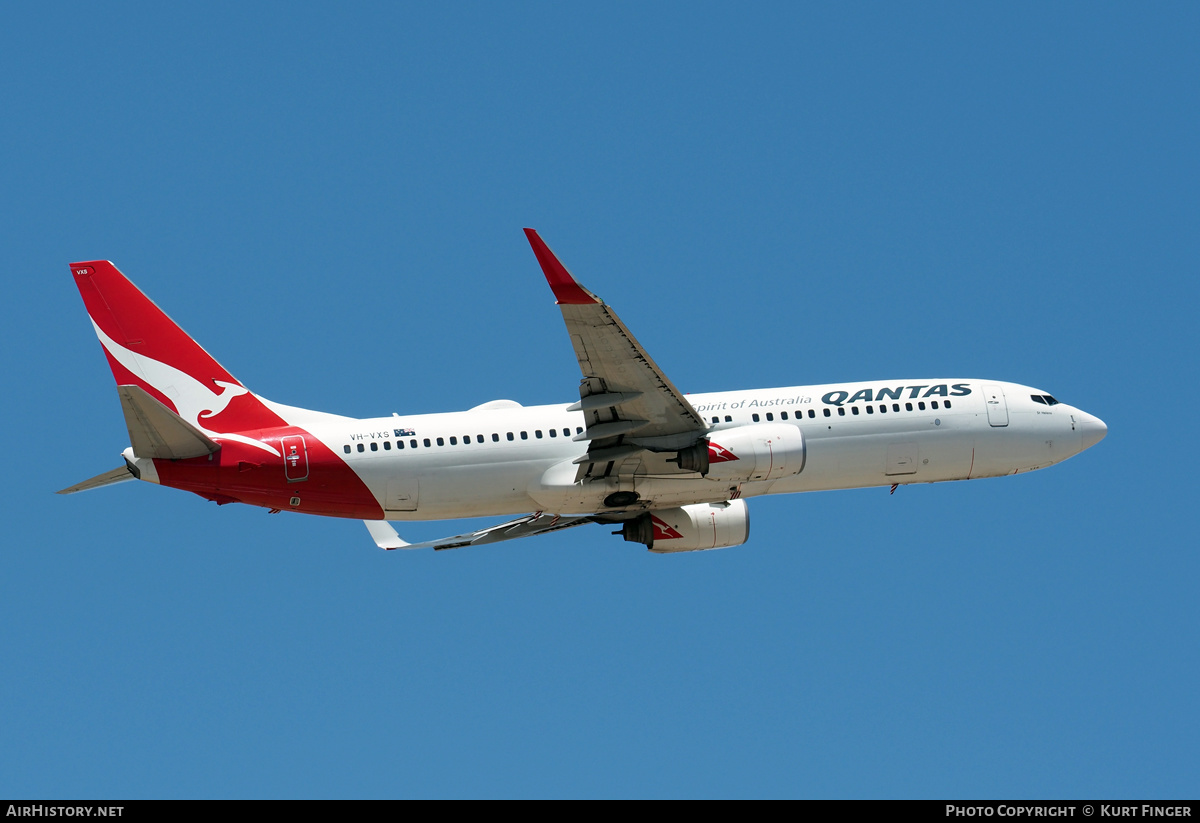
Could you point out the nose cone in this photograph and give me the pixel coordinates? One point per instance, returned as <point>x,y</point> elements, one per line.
<point>1091,430</point>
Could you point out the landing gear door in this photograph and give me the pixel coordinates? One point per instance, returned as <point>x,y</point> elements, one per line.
<point>295,458</point>
<point>997,408</point>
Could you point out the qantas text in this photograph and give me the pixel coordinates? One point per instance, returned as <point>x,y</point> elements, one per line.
<point>837,398</point>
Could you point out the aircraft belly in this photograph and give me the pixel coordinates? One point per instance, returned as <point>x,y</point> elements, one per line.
<point>472,491</point>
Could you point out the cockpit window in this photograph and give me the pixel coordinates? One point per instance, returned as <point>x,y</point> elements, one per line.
<point>1037,398</point>
<point>1050,401</point>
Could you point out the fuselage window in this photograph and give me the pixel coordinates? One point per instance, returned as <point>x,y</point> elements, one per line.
<point>427,443</point>
<point>554,432</point>
<point>537,433</point>
<point>466,439</point>
<point>783,415</point>
<point>495,437</point>
<point>813,413</point>
<point>826,412</point>
<point>566,432</point>
<point>400,444</point>
<point>510,435</point>
<point>361,448</point>
<point>921,405</point>
<point>854,409</point>
<point>883,408</point>
<point>841,411</point>
<point>754,417</point>
<point>374,447</point>
<point>870,409</point>
<point>441,441</point>
<point>908,406</point>
<point>346,449</point>
<point>729,418</point>
<point>453,441</point>
<point>413,443</point>
<point>770,417</point>
<point>479,438</point>
<point>579,429</point>
<point>895,407</point>
<point>716,419</point>
<point>946,403</point>
<point>933,404</point>
<point>524,435</point>
<point>387,445</point>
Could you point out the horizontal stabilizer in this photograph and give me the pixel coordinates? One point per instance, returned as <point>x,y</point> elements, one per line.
<point>156,431</point>
<point>386,538</point>
<point>107,479</point>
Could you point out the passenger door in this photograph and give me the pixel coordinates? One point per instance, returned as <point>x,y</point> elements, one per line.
<point>997,408</point>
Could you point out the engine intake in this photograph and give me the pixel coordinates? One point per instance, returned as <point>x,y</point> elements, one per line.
<point>697,527</point>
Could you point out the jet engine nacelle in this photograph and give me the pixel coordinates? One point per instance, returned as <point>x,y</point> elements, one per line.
<point>691,528</point>
<point>762,452</point>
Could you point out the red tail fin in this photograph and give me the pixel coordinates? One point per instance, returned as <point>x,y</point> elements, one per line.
<point>146,348</point>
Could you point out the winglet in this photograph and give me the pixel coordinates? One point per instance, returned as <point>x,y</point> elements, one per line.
<point>566,288</point>
<point>384,535</point>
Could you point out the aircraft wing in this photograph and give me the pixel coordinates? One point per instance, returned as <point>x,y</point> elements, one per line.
<point>627,400</point>
<point>386,538</point>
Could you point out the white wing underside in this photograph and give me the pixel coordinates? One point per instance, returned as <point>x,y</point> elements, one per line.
<point>538,523</point>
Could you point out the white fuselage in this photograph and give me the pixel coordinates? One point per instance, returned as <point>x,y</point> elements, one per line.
<point>514,459</point>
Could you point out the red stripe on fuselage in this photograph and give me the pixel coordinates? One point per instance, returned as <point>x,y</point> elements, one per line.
<point>244,474</point>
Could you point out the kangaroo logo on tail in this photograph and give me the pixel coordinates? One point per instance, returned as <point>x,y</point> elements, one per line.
<point>193,401</point>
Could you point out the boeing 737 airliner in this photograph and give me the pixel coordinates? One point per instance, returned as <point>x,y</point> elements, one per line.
<point>672,472</point>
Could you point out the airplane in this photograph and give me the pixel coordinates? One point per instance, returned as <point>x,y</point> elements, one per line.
<point>666,470</point>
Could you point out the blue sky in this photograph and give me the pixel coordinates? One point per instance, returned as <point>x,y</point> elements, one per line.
<point>331,202</point>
